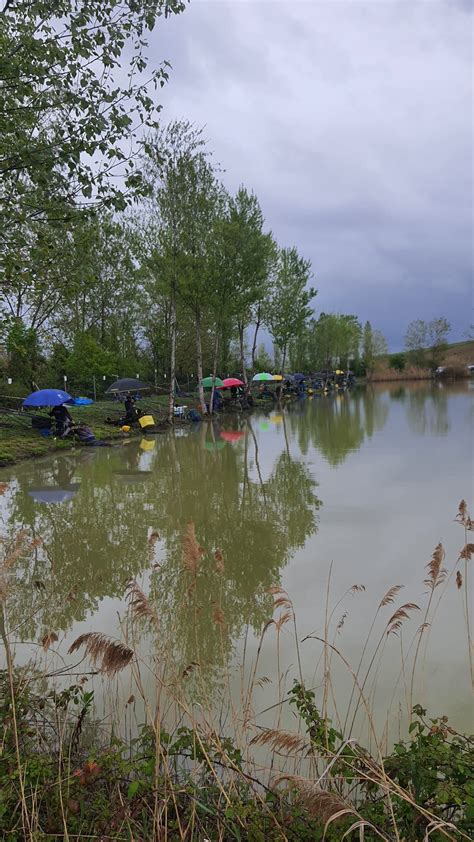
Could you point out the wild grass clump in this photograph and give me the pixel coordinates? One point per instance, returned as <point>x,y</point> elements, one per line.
<point>168,765</point>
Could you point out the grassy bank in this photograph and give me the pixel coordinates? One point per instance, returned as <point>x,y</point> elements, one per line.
<point>18,440</point>
<point>457,357</point>
<point>175,762</point>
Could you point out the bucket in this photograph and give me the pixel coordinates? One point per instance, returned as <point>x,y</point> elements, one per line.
<point>146,421</point>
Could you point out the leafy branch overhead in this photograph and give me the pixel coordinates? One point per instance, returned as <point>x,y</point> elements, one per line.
<point>75,97</point>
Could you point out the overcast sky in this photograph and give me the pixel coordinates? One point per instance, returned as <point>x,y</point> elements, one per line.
<point>352,122</point>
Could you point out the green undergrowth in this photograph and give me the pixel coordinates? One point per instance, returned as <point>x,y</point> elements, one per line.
<point>62,776</point>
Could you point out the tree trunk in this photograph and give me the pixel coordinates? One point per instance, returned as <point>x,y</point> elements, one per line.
<point>214,371</point>
<point>257,326</point>
<point>172,387</point>
<point>283,359</point>
<point>242,353</point>
<point>199,361</point>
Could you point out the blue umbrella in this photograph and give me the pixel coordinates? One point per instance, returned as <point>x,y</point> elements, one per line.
<point>47,397</point>
<point>299,377</point>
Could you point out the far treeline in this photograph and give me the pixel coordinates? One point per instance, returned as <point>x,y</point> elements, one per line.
<point>122,253</point>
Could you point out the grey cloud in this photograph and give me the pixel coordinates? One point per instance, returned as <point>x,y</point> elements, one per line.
<point>353,123</point>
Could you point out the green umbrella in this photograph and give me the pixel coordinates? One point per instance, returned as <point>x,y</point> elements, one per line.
<point>208,381</point>
<point>263,376</point>
<point>214,445</point>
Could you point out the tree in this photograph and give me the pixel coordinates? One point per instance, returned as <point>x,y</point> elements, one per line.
<point>289,305</point>
<point>69,129</point>
<point>262,360</point>
<point>374,346</point>
<point>426,342</point>
<point>249,255</point>
<point>416,340</point>
<point>332,340</point>
<point>438,330</point>
<point>64,103</point>
<point>184,208</point>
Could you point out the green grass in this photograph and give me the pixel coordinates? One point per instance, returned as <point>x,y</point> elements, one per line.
<point>21,441</point>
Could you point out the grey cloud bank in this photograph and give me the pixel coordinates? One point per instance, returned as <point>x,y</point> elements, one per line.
<point>352,121</point>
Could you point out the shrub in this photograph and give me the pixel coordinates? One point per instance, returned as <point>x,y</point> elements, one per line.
<point>397,361</point>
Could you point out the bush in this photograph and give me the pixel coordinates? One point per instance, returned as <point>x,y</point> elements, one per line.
<point>397,361</point>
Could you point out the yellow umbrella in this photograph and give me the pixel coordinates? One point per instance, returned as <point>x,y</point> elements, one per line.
<point>277,377</point>
<point>338,371</point>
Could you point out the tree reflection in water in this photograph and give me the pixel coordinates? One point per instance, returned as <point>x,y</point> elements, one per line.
<point>338,424</point>
<point>94,543</point>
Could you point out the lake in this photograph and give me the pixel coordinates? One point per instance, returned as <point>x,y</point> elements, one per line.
<point>214,522</point>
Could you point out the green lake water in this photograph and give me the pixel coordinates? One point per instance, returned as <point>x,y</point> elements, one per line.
<point>327,493</point>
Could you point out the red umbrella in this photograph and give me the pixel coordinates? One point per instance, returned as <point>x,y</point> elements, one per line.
<point>230,381</point>
<point>231,435</point>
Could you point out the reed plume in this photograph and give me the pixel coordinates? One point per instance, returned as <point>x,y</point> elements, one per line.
<point>192,551</point>
<point>48,639</point>
<point>458,580</point>
<point>279,740</point>
<point>319,803</point>
<point>436,573</point>
<point>467,552</point>
<point>389,597</point>
<point>357,589</point>
<point>284,617</point>
<point>140,605</point>
<point>110,656</point>
<point>396,620</point>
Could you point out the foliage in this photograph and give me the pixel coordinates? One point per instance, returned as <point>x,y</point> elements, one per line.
<point>75,100</point>
<point>397,362</point>
<point>332,340</point>
<point>248,261</point>
<point>426,342</point>
<point>109,786</point>
<point>288,307</point>
<point>374,346</point>
<point>22,347</point>
<point>433,770</point>
<point>262,360</point>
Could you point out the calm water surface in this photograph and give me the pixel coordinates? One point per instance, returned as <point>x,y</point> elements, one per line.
<point>331,492</point>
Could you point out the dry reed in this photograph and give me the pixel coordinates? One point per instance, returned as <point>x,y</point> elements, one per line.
<point>140,605</point>
<point>436,572</point>
<point>396,620</point>
<point>110,656</point>
<point>281,741</point>
<point>48,639</point>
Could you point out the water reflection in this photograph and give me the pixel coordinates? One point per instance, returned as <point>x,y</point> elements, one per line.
<point>427,411</point>
<point>337,425</point>
<point>242,485</point>
<point>253,517</point>
<point>247,490</point>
